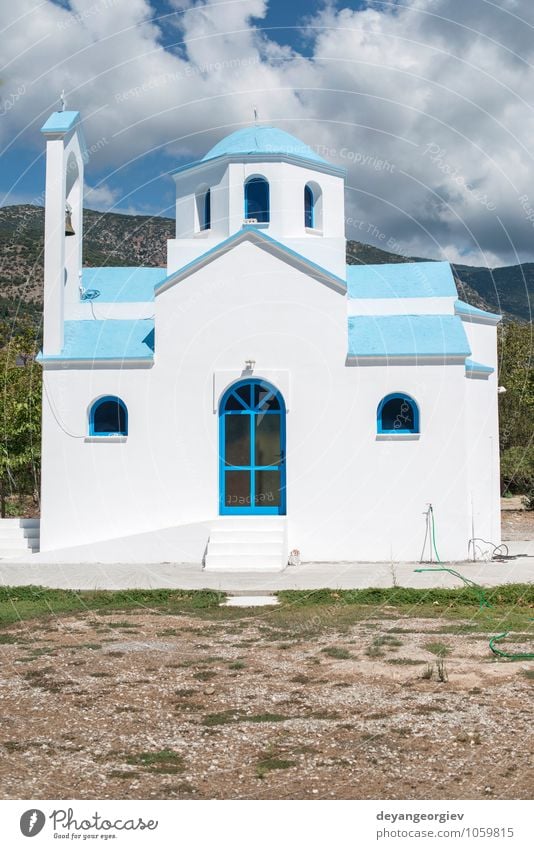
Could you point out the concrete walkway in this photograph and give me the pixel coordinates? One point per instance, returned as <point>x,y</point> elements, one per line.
<point>307,576</point>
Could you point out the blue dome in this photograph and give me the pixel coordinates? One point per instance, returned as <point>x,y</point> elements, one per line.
<point>254,140</point>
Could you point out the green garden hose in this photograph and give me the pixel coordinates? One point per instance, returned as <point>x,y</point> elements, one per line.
<point>509,655</point>
<point>485,603</point>
<point>438,558</point>
<point>478,589</point>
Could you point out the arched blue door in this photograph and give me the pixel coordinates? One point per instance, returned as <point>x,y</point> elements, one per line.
<point>252,450</point>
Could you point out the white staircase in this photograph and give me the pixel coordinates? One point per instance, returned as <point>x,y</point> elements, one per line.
<point>18,538</point>
<point>247,544</point>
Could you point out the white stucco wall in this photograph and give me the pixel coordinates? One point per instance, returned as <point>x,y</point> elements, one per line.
<point>350,496</point>
<point>482,435</point>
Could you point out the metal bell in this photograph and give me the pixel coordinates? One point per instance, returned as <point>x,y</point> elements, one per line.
<point>69,229</point>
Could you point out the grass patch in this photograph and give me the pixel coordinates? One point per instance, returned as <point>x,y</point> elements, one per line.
<point>509,594</point>
<point>268,764</point>
<point>225,717</point>
<point>20,603</point>
<point>267,717</point>
<point>337,652</point>
<point>529,674</point>
<point>237,664</point>
<point>439,649</point>
<point>228,717</point>
<point>9,639</point>
<point>164,762</point>
<point>205,675</point>
<point>404,661</point>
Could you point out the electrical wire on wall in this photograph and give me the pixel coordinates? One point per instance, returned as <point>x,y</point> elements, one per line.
<point>56,417</point>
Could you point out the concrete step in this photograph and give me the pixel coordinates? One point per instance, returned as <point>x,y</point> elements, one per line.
<point>20,523</point>
<point>19,543</point>
<point>244,562</point>
<point>247,544</point>
<point>239,546</point>
<point>13,532</point>
<point>250,523</point>
<point>250,601</point>
<point>18,537</point>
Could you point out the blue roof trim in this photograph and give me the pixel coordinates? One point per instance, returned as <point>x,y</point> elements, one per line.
<point>463,309</point>
<point>112,339</point>
<point>401,280</point>
<point>258,236</point>
<point>267,142</point>
<point>472,365</point>
<point>119,285</point>
<point>326,168</point>
<point>407,336</point>
<point>60,122</point>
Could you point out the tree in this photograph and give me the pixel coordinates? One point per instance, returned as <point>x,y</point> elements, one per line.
<point>516,405</point>
<point>20,418</point>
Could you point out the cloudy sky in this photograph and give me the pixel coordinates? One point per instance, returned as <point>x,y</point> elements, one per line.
<point>427,103</point>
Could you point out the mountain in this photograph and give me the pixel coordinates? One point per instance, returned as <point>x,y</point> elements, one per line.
<point>113,239</point>
<point>358,253</point>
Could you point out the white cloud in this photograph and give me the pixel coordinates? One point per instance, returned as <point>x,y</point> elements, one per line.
<point>438,89</point>
<point>101,197</point>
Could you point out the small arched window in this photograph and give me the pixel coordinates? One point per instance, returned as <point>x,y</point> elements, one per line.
<point>108,417</point>
<point>397,413</point>
<point>257,199</point>
<point>203,201</point>
<point>309,217</point>
<point>313,206</point>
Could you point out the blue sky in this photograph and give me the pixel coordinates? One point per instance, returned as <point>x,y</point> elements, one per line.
<point>426,103</point>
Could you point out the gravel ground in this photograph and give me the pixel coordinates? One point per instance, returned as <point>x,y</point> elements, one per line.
<point>153,705</point>
<point>517,524</point>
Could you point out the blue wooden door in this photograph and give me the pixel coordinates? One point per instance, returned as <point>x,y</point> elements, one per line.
<point>252,450</point>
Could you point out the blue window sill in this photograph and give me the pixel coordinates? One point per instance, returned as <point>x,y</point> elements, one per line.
<point>261,225</point>
<point>106,437</point>
<point>397,436</point>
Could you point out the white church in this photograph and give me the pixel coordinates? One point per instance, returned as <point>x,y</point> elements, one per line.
<point>258,400</point>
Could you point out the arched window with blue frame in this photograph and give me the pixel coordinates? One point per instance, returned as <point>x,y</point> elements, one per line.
<point>309,212</point>
<point>206,224</point>
<point>257,199</point>
<point>203,214</point>
<point>397,413</point>
<point>313,207</point>
<point>108,417</point>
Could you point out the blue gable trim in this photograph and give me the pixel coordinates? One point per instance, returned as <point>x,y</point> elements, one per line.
<point>251,233</point>
<point>112,339</point>
<point>60,122</point>
<point>471,366</point>
<point>411,336</point>
<point>475,314</point>
<point>122,285</point>
<point>401,280</point>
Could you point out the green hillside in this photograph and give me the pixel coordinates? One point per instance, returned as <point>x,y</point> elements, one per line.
<point>113,239</point>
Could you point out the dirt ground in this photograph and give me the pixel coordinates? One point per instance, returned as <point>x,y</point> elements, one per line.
<point>154,705</point>
<point>516,524</point>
